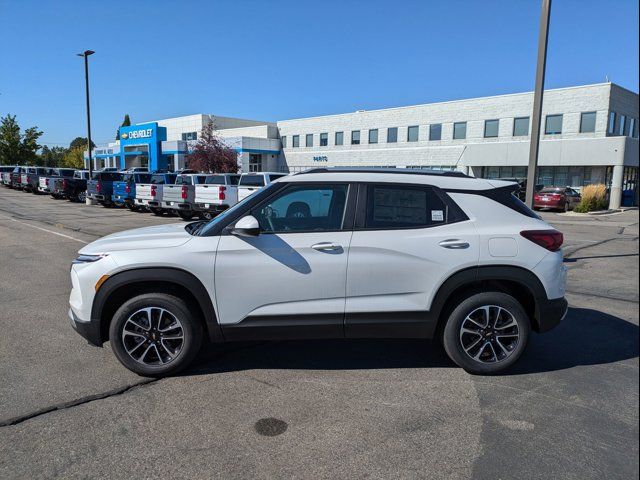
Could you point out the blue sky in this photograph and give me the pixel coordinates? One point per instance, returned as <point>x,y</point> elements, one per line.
<point>276,60</point>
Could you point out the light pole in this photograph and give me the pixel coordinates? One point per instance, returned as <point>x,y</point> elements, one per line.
<point>86,54</point>
<point>534,146</point>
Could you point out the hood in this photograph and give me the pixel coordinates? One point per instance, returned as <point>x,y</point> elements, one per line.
<point>159,236</point>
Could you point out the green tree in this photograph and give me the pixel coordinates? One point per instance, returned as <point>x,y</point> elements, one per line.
<point>52,157</point>
<point>9,140</point>
<point>81,142</point>
<point>125,123</point>
<point>16,147</point>
<point>74,158</point>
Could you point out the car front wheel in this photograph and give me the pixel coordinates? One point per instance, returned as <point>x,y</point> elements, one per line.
<point>486,333</point>
<point>155,334</point>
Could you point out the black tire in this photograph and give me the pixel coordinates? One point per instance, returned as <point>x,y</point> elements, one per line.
<point>453,338</point>
<point>190,326</point>
<point>81,197</point>
<point>156,211</point>
<point>131,207</point>
<point>206,215</point>
<point>566,207</point>
<point>185,215</point>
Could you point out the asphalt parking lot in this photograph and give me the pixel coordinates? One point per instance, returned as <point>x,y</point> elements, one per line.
<point>332,409</point>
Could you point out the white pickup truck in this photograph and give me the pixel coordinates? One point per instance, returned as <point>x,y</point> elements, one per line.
<point>182,194</point>
<point>149,195</point>
<point>216,194</point>
<point>254,181</point>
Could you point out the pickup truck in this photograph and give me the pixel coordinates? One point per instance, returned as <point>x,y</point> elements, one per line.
<point>149,195</point>
<point>181,195</point>
<point>5,174</point>
<point>216,194</point>
<point>73,188</point>
<point>46,184</point>
<point>100,187</point>
<point>30,179</point>
<point>16,175</point>
<point>124,191</point>
<point>254,181</point>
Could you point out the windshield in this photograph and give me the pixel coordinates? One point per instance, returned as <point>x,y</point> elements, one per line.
<point>251,181</point>
<point>183,180</point>
<point>222,217</point>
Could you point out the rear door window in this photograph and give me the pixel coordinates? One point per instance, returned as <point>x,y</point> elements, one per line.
<point>405,206</point>
<point>216,180</point>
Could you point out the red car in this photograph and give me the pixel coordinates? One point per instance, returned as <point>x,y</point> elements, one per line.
<point>557,198</point>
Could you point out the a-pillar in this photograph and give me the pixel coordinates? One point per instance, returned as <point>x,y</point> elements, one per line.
<point>615,197</point>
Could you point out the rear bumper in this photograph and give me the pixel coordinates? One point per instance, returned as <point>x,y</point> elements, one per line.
<point>549,313</point>
<point>177,205</point>
<point>89,330</point>
<point>555,204</point>
<point>96,196</point>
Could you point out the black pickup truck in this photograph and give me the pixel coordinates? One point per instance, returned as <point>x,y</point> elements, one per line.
<point>73,188</point>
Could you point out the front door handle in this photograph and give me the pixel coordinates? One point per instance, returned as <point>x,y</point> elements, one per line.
<point>326,246</point>
<point>454,244</point>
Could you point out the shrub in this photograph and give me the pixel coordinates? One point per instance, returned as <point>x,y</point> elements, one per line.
<point>594,197</point>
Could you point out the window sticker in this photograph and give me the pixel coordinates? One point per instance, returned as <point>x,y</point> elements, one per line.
<point>437,216</point>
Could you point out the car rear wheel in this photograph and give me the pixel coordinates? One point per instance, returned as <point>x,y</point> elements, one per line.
<point>82,197</point>
<point>486,333</point>
<point>566,207</point>
<point>207,215</point>
<point>185,215</point>
<point>155,334</point>
<point>156,211</point>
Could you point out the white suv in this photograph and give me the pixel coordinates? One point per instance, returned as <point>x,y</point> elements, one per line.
<point>330,253</point>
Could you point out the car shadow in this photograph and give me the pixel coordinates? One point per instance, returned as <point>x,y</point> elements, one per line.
<point>585,337</point>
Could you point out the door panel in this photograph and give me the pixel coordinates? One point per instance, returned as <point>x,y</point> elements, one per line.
<point>281,274</point>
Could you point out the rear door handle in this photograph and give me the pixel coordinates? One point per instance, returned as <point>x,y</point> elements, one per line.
<point>326,246</point>
<point>454,244</point>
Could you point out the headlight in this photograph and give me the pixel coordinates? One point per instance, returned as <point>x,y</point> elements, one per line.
<point>88,258</point>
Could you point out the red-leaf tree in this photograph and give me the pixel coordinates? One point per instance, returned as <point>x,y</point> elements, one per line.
<point>210,154</point>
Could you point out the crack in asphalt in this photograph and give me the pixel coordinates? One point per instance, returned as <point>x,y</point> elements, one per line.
<point>74,403</point>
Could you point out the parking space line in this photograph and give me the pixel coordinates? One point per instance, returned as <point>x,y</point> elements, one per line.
<point>44,229</point>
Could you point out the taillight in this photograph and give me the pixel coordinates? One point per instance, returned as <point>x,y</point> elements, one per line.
<point>153,190</point>
<point>127,188</point>
<point>184,192</point>
<point>221,194</point>
<point>549,239</point>
<point>28,178</point>
<point>98,187</point>
<point>64,184</point>
<point>46,182</point>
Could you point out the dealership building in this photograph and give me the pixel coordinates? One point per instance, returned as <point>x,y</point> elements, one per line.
<point>589,134</point>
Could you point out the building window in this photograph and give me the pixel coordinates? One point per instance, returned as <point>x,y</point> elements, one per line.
<point>553,125</point>
<point>324,139</point>
<point>521,127</point>
<point>283,140</point>
<point>295,141</point>
<point>412,133</point>
<point>632,127</point>
<point>611,129</point>
<point>255,162</point>
<point>309,140</point>
<point>588,122</point>
<point>491,128</point>
<point>622,124</point>
<point>355,137</point>
<point>339,138</point>
<point>392,135</point>
<point>435,131</point>
<point>190,136</point>
<point>373,135</point>
<point>460,130</point>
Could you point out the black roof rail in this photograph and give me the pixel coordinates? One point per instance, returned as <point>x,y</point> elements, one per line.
<point>401,171</point>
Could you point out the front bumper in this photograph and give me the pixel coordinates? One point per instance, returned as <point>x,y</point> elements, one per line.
<point>549,313</point>
<point>89,330</point>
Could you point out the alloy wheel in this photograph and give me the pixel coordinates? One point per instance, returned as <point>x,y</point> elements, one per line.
<point>153,336</point>
<point>489,334</point>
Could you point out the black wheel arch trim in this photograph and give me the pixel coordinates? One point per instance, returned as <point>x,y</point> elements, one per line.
<point>472,275</point>
<point>159,274</point>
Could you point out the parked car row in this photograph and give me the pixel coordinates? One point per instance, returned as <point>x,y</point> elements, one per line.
<point>186,193</point>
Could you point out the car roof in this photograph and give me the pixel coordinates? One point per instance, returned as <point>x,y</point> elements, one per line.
<point>446,180</point>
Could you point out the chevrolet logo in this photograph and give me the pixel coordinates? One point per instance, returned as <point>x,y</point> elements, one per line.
<point>124,136</point>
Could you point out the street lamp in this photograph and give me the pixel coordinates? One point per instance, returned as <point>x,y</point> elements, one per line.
<point>86,54</point>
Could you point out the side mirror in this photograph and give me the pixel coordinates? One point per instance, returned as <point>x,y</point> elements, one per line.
<point>247,226</point>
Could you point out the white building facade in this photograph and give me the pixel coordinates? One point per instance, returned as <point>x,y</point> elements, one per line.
<point>589,134</point>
